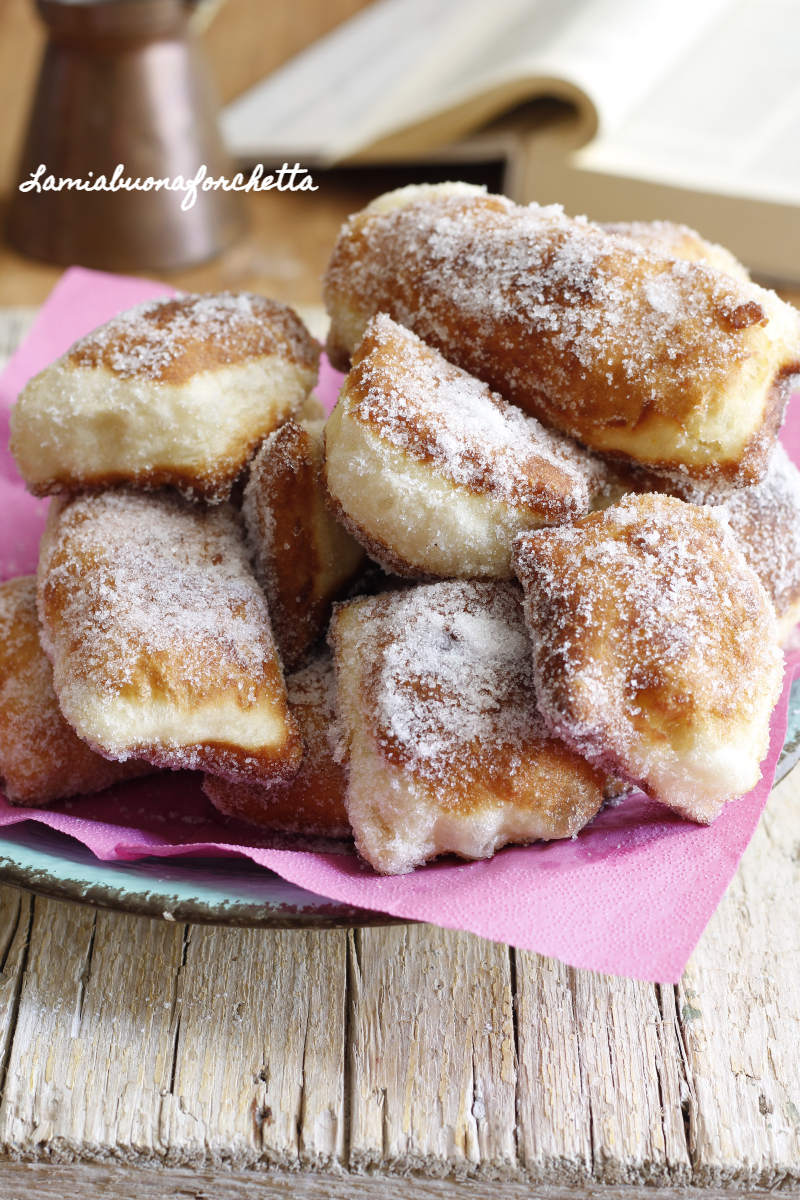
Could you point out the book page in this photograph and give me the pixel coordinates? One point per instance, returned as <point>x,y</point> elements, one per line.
<point>727,119</point>
<point>411,74</point>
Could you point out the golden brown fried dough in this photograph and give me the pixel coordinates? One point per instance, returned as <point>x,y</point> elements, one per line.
<point>765,521</point>
<point>446,749</point>
<point>42,759</point>
<point>304,558</point>
<point>655,649</point>
<point>312,802</point>
<point>432,472</point>
<point>159,636</point>
<point>174,392</point>
<point>679,241</point>
<point>638,355</point>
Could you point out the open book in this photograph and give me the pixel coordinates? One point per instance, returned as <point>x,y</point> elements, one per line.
<point>687,110</point>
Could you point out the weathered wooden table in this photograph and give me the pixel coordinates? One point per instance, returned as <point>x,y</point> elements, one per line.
<point>337,1064</point>
<point>148,1059</point>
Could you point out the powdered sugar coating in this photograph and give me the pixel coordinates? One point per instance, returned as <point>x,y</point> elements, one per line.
<point>764,519</point>
<point>632,352</point>
<point>446,747</point>
<point>174,393</point>
<point>160,637</point>
<point>679,241</point>
<point>155,587</point>
<point>432,472</point>
<point>655,648</point>
<point>172,339</point>
<point>42,759</point>
<point>441,415</point>
<point>449,671</point>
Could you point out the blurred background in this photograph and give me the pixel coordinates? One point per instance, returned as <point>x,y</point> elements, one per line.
<point>284,240</point>
<point>286,244</point>
<point>288,237</point>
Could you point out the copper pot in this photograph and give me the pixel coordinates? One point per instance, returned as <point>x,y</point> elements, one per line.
<point>123,83</point>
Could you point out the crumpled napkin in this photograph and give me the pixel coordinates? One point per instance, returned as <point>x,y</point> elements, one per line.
<point>630,895</point>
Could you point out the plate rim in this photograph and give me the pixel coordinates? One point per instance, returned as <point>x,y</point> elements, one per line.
<point>247,914</point>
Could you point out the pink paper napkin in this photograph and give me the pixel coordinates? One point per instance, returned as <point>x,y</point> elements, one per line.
<point>630,896</point>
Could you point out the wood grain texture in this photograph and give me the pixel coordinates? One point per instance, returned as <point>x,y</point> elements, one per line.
<point>600,1078</point>
<point>16,916</point>
<point>625,1048</point>
<point>740,1011</point>
<point>432,1056</point>
<point>128,1041</point>
<point>93,1038</point>
<point>39,1181</point>
<point>554,1130</point>
<point>259,1068</point>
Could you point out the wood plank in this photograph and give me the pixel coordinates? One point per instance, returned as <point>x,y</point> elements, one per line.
<point>554,1125</point>
<point>431,1046</point>
<point>92,1047</point>
<point>23,1181</point>
<point>259,1070</point>
<point>16,916</point>
<point>599,1092</point>
<point>432,1055</point>
<point>740,1012</point>
<point>621,1043</point>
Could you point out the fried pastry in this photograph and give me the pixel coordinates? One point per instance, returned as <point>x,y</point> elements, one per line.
<point>655,649</point>
<point>160,638</point>
<point>639,355</point>
<point>765,521</point>
<point>679,241</point>
<point>312,802</point>
<point>42,759</point>
<point>446,749</point>
<point>432,472</point>
<point>304,558</point>
<point>175,392</point>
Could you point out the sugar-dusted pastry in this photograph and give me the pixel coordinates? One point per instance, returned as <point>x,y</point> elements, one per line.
<point>655,649</point>
<point>637,354</point>
<point>764,518</point>
<point>312,802</point>
<point>42,759</point>
<point>176,392</point>
<point>160,638</point>
<point>679,241</point>
<point>432,472</point>
<point>765,521</point>
<point>304,558</point>
<point>446,749</point>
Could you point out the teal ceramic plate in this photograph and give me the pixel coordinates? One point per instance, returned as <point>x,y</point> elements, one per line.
<point>212,891</point>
